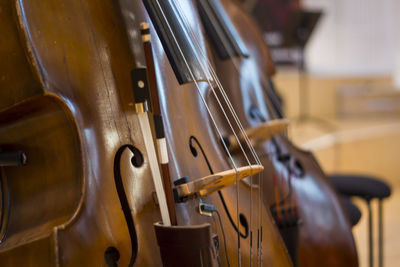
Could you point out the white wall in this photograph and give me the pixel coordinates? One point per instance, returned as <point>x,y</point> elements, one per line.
<point>396,70</point>
<point>355,37</point>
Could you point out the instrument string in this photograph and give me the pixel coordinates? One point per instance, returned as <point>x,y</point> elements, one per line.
<point>223,93</point>
<point>288,199</point>
<point>280,181</point>
<point>223,235</point>
<point>208,111</point>
<point>228,48</point>
<point>245,137</point>
<point>212,73</point>
<point>236,118</point>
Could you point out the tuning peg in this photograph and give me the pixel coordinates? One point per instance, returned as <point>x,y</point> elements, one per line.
<point>258,135</point>
<point>214,182</point>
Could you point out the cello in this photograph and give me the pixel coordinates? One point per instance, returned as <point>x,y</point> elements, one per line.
<point>83,195</point>
<point>302,192</point>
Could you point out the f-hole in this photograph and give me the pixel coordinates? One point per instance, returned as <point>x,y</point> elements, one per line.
<point>243,221</point>
<point>111,254</point>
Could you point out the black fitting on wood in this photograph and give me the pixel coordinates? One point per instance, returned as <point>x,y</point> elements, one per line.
<point>180,181</point>
<point>15,158</point>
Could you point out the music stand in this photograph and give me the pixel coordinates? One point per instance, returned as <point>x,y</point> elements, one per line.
<point>300,28</point>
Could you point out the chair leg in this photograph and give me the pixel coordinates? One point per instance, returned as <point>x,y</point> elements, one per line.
<point>380,211</point>
<point>370,237</point>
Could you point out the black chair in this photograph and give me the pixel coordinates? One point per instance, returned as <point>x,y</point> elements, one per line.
<point>367,188</point>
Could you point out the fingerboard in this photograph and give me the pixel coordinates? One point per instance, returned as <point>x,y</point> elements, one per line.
<point>176,41</point>
<point>222,34</point>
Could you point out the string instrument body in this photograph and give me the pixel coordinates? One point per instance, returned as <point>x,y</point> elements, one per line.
<point>194,147</point>
<point>325,233</point>
<point>66,101</point>
<point>85,196</point>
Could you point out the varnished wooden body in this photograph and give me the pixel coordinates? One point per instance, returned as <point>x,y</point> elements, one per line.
<point>66,74</point>
<point>325,233</point>
<point>44,129</point>
<point>185,116</point>
<point>66,100</point>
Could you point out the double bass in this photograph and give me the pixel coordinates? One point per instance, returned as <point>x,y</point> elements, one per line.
<point>298,186</point>
<point>66,104</point>
<point>77,189</point>
<point>193,141</point>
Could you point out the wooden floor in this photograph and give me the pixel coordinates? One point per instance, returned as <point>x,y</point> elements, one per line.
<point>366,143</point>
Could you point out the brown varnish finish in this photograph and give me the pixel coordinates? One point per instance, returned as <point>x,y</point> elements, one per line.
<point>325,233</point>
<point>66,101</point>
<point>185,116</point>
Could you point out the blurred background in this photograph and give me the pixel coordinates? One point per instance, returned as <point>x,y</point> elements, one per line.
<point>338,72</point>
